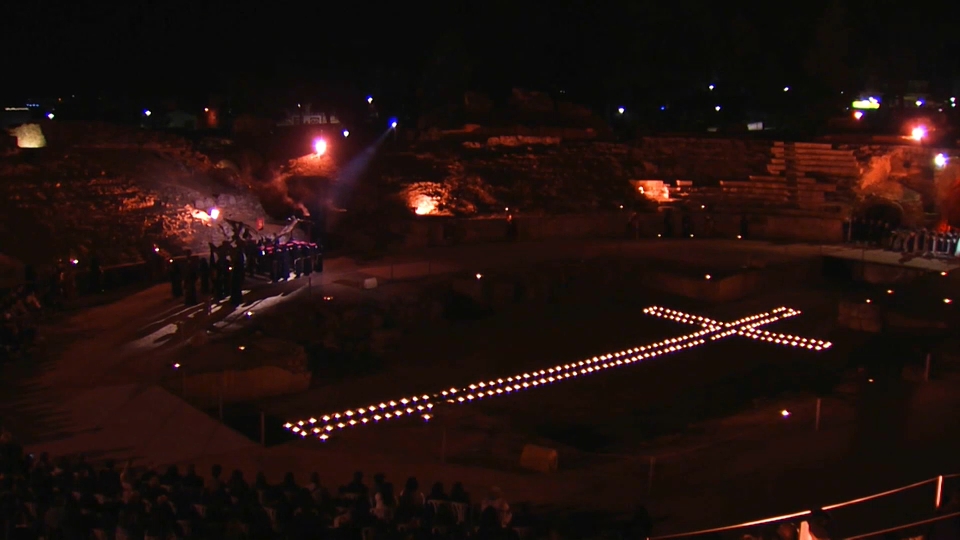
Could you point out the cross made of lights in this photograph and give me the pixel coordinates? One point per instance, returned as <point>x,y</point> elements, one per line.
<point>709,330</point>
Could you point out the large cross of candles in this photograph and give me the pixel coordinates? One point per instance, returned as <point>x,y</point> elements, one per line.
<point>708,331</point>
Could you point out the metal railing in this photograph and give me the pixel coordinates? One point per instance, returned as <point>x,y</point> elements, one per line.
<point>938,500</point>
<point>904,527</point>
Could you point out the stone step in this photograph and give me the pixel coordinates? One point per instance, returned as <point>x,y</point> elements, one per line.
<point>804,145</point>
<point>845,172</point>
<point>813,165</point>
<point>781,179</point>
<point>827,158</point>
<point>800,179</point>
<point>745,192</point>
<point>811,187</point>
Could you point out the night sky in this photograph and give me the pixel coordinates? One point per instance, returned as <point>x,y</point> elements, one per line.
<point>604,50</point>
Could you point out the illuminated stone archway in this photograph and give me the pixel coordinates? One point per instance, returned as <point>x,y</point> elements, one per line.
<point>883,210</point>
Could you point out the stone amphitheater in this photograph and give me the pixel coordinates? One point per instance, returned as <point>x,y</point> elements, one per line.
<point>119,192</point>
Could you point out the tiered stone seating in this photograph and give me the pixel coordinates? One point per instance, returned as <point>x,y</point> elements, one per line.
<point>776,190</point>
<point>816,160</point>
<point>795,169</point>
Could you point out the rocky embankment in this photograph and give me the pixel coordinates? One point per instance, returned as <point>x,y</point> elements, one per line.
<point>548,174</point>
<point>114,193</point>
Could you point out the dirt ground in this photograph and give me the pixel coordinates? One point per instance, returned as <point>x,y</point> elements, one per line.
<point>607,426</point>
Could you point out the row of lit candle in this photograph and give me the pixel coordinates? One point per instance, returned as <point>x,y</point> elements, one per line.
<point>397,408</point>
<point>771,318</point>
<point>785,339</point>
<point>679,316</point>
<point>669,345</point>
<point>424,403</point>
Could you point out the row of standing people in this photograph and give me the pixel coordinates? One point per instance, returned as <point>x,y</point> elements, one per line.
<point>917,240</point>
<point>924,241</point>
<point>20,314</point>
<point>224,272</point>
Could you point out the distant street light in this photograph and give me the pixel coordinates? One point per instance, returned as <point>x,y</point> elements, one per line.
<point>50,116</point>
<point>717,108</point>
<point>393,124</point>
<point>786,88</point>
<point>621,110</point>
<point>370,100</point>
<point>857,115</point>
<point>940,161</point>
<point>711,87</point>
<point>346,133</point>
<point>320,147</point>
<point>918,133</point>
<point>206,109</point>
<point>146,112</point>
<point>919,103</point>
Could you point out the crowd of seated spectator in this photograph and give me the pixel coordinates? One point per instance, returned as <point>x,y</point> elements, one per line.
<point>68,499</point>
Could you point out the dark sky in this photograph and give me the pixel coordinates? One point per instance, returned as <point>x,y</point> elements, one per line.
<point>601,48</point>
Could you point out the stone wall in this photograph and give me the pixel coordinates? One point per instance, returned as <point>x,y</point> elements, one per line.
<point>448,231</point>
<point>563,176</point>
<point>861,316</point>
<point>701,160</point>
<point>244,385</point>
<point>907,176</point>
<point>730,287</point>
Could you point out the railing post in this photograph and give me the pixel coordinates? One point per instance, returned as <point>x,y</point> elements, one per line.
<point>653,462</point>
<point>816,425</point>
<point>263,429</point>
<point>939,495</point>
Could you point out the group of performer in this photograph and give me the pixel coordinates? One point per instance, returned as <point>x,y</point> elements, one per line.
<point>223,273</point>
<point>924,241</point>
<point>917,240</point>
<point>19,321</point>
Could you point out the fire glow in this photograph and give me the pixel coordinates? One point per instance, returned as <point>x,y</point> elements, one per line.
<point>423,404</point>
<point>424,205</point>
<point>206,217</point>
<point>320,147</point>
